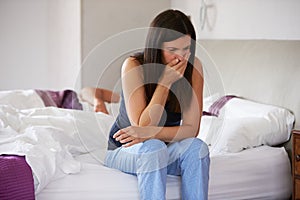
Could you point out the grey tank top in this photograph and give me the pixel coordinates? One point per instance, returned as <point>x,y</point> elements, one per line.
<point>122,121</point>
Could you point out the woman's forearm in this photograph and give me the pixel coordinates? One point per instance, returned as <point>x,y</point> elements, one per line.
<point>107,95</point>
<point>173,133</point>
<point>154,110</point>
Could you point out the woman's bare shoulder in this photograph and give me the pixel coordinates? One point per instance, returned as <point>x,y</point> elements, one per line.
<point>198,68</point>
<point>129,64</point>
<point>198,64</point>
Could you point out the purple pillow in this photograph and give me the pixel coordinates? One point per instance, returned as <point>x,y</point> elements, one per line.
<point>16,180</point>
<point>61,99</point>
<point>70,100</point>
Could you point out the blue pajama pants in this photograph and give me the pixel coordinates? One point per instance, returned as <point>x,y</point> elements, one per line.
<point>152,160</point>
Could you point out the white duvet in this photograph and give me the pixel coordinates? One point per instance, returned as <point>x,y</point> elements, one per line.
<point>51,138</point>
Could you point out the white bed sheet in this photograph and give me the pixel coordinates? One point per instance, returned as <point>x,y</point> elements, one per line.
<point>259,173</point>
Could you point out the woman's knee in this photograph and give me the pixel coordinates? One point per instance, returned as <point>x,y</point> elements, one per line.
<point>152,145</point>
<point>153,156</point>
<point>196,146</point>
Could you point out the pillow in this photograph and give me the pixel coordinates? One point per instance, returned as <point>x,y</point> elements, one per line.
<point>209,100</point>
<point>210,123</point>
<point>21,99</point>
<point>208,127</point>
<point>62,99</point>
<point>245,124</point>
<point>217,106</point>
<point>240,107</point>
<point>278,117</point>
<point>237,134</point>
<point>16,180</point>
<point>213,104</point>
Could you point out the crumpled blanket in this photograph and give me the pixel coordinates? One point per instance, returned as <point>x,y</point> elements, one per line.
<point>50,138</point>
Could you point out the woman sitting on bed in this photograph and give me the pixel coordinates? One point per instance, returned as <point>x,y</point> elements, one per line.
<point>160,111</point>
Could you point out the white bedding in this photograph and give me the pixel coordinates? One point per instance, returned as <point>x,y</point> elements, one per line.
<point>58,142</point>
<point>51,137</point>
<point>258,173</point>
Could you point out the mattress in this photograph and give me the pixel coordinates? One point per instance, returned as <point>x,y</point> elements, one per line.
<point>258,173</point>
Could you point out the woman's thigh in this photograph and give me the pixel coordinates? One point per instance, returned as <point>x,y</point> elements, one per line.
<point>148,156</point>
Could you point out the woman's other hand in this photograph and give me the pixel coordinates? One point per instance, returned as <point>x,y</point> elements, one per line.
<point>134,134</point>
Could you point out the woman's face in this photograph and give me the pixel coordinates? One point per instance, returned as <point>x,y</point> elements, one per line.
<point>178,48</point>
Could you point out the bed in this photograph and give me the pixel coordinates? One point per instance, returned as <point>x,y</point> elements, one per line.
<point>65,147</point>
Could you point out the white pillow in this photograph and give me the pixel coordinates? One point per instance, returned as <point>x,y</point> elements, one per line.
<point>246,124</point>
<point>277,116</point>
<point>237,134</point>
<point>209,127</point>
<point>239,107</point>
<point>209,100</point>
<point>21,99</point>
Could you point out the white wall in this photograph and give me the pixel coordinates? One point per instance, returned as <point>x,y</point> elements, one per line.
<point>41,39</point>
<point>102,20</point>
<point>40,44</point>
<point>64,43</point>
<point>245,19</point>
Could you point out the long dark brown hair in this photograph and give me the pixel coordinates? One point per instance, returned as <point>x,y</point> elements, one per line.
<point>168,26</point>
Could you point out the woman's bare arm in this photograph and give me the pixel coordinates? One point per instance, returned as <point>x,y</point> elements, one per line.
<point>97,97</point>
<point>139,112</point>
<point>190,121</point>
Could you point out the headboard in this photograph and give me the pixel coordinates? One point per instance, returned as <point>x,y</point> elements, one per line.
<point>267,71</point>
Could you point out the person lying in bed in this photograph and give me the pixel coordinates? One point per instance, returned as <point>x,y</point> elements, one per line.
<point>160,112</point>
<point>98,96</point>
